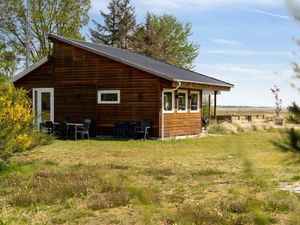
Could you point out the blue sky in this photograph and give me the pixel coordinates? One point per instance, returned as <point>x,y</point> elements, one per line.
<point>245,42</point>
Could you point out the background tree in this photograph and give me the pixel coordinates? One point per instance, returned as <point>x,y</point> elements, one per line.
<point>118,25</point>
<point>7,63</point>
<point>167,39</point>
<point>291,137</point>
<point>278,101</point>
<point>62,17</point>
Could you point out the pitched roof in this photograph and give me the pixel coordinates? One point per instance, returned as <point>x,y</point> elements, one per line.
<point>147,64</point>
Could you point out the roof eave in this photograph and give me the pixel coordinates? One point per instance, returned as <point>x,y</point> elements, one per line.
<point>205,83</point>
<point>29,69</point>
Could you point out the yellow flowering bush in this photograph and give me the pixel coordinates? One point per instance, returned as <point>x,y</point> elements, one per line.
<point>16,130</point>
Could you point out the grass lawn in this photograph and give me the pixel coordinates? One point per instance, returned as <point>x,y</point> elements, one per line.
<point>214,180</point>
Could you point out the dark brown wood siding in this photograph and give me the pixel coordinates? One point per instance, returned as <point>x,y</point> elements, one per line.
<point>75,103</point>
<point>76,76</point>
<point>42,77</point>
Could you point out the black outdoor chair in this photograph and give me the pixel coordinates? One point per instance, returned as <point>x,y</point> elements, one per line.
<point>85,129</point>
<point>120,130</point>
<point>132,128</point>
<point>63,130</point>
<point>48,127</point>
<point>144,129</point>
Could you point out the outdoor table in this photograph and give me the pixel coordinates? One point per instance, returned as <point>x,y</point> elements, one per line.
<point>76,125</point>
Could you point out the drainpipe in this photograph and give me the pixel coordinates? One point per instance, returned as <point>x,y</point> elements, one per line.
<point>163,117</point>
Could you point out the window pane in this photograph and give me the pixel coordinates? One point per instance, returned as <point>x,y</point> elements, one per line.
<point>46,107</point>
<point>35,106</point>
<point>194,102</point>
<point>109,97</point>
<point>181,101</point>
<point>35,101</point>
<point>168,101</point>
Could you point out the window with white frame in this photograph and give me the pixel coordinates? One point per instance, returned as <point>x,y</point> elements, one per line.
<point>195,101</point>
<point>168,101</point>
<point>182,100</point>
<point>109,97</point>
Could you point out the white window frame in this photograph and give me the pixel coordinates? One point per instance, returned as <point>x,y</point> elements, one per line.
<point>186,101</point>
<point>198,103</point>
<point>38,120</point>
<point>163,101</point>
<point>100,92</point>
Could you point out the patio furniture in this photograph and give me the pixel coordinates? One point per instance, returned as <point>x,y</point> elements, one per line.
<point>144,128</point>
<point>84,130</point>
<point>73,129</point>
<point>132,128</point>
<point>63,130</point>
<point>48,127</point>
<point>120,130</point>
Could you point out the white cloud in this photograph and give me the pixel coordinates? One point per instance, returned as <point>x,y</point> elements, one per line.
<point>154,5</point>
<point>258,11</point>
<point>209,3</point>
<point>262,71</point>
<point>232,43</point>
<point>245,52</point>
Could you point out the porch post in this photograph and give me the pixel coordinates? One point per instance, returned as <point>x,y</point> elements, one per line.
<point>209,106</point>
<point>215,106</point>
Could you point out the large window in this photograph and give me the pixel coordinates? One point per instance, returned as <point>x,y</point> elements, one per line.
<point>168,101</point>
<point>194,101</point>
<point>109,97</point>
<point>182,101</point>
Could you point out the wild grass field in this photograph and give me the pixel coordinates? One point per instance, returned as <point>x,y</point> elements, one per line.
<point>268,111</point>
<point>228,180</point>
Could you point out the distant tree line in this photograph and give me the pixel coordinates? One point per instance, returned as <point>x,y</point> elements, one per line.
<point>160,37</point>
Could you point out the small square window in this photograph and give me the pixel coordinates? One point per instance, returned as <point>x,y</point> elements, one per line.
<point>194,101</point>
<point>168,101</point>
<point>109,97</point>
<point>182,101</point>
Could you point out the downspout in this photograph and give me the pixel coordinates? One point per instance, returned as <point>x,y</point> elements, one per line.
<point>163,117</point>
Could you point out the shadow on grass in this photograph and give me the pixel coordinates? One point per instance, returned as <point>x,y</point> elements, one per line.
<point>208,172</point>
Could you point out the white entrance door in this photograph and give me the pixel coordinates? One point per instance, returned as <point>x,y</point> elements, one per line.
<point>43,105</point>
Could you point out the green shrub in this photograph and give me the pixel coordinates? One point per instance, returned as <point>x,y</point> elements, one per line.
<point>42,139</point>
<point>222,128</point>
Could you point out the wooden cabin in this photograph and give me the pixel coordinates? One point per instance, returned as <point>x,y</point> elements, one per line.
<point>105,84</point>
